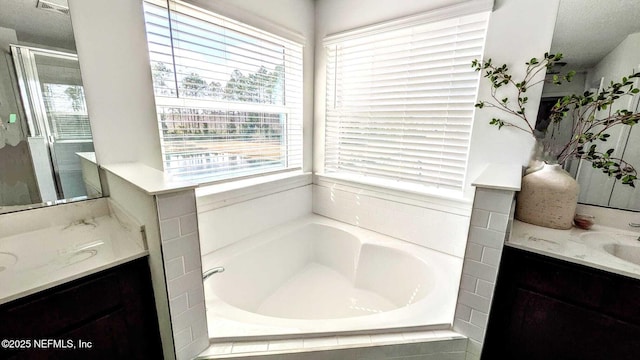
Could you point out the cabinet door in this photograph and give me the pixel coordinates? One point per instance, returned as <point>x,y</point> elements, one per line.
<point>545,308</point>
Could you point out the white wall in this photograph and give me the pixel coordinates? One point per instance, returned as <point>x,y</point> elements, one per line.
<point>221,225</point>
<point>518,30</point>
<point>114,61</point>
<point>595,186</point>
<point>418,223</point>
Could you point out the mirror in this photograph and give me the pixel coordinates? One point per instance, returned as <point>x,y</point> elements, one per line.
<point>46,147</point>
<point>601,41</point>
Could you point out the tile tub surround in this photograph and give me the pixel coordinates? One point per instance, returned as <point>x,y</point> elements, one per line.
<point>218,215</point>
<point>434,344</point>
<point>491,218</point>
<point>431,225</point>
<point>61,243</point>
<point>183,271</point>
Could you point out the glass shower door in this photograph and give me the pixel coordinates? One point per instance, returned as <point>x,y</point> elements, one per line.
<point>52,93</point>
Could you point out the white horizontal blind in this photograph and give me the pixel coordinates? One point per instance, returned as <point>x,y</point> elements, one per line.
<point>228,96</point>
<point>66,111</point>
<point>400,103</point>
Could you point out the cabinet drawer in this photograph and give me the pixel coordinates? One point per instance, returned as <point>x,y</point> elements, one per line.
<point>570,282</point>
<point>63,308</point>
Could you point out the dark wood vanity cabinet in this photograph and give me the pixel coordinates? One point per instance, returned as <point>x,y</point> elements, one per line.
<point>545,308</point>
<point>110,314</point>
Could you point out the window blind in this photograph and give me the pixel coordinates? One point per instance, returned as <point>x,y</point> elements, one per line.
<point>400,102</point>
<point>66,111</point>
<point>228,96</point>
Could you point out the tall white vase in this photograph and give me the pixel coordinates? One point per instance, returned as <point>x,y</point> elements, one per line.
<point>548,198</point>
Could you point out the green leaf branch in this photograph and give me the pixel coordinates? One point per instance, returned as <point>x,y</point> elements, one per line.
<point>591,114</point>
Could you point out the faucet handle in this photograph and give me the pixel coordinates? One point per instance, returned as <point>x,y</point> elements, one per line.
<point>634,224</point>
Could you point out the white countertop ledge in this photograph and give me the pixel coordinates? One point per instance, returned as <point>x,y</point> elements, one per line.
<point>46,247</point>
<point>585,247</point>
<point>500,177</point>
<point>150,180</point>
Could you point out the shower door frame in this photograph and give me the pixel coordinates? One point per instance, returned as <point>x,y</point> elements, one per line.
<point>24,58</point>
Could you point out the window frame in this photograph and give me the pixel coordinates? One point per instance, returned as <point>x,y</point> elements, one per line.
<point>393,186</point>
<point>291,107</point>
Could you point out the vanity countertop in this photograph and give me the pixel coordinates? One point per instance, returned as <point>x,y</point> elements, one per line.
<point>32,261</point>
<point>586,247</point>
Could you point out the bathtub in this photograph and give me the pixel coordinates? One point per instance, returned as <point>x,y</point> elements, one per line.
<point>318,276</point>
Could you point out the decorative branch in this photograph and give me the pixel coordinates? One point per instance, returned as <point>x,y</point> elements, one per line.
<point>583,110</point>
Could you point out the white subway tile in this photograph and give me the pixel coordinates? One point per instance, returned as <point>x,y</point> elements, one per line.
<point>474,301</point>
<point>498,222</point>
<point>486,237</point>
<point>474,347</point>
<point>471,356</point>
<point>479,318</point>
<point>188,224</point>
<point>474,251</point>
<point>385,338</point>
<point>174,268</point>
<point>180,246</point>
<point>192,259</point>
<point>252,346</point>
<point>419,335</point>
<point>354,340</point>
<point>184,283</point>
<point>220,227</point>
<point>485,289</point>
<point>491,256</point>
<point>463,312</point>
<point>195,296</point>
<point>218,349</point>
<point>468,283</point>
<point>319,342</point>
<point>176,204</point>
<point>480,270</point>
<point>480,218</point>
<point>192,350</point>
<point>472,331</point>
<point>449,334</point>
<point>178,305</point>
<point>493,200</point>
<point>279,345</point>
<point>182,338</point>
<point>188,318</point>
<point>199,329</point>
<point>169,229</point>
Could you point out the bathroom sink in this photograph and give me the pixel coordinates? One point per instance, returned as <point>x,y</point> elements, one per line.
<point>7,260</point>
<point>594,237</point>
<point>626,252</point>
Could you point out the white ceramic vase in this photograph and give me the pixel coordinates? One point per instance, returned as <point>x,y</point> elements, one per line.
<point>548,198</point>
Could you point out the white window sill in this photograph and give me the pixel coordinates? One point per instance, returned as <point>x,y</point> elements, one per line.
<point>433,198</point>
<point>209,197</point>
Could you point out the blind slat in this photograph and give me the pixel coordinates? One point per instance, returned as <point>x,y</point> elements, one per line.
<point>400,103</point>
<point>228,95</point>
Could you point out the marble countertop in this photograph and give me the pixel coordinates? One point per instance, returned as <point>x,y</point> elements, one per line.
<point>32,261</point>
<point>586,247</point>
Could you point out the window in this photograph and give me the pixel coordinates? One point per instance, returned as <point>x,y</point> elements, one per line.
<point>228,96</point>
<point>400,101</point>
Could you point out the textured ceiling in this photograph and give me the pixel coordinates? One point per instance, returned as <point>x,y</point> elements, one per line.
<point>37,26</point>
<point>587,30</point>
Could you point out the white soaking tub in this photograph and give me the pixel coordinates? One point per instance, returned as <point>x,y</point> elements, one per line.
<point>316,275</point>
